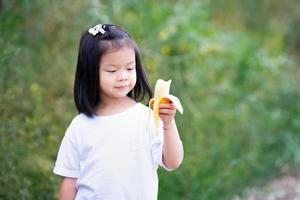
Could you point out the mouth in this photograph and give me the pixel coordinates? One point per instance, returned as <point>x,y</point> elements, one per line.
<point>122,87</point>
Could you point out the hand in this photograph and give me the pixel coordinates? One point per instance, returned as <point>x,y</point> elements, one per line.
<point>167,113</point>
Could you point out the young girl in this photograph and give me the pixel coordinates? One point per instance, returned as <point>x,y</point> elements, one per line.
<point>110,151</point>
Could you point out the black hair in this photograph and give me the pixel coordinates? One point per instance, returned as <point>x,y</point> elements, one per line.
<point>91,49</point>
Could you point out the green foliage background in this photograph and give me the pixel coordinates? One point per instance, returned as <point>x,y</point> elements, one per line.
<point>234,64</point>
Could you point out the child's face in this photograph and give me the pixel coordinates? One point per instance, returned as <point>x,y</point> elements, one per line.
<point>117,73</point>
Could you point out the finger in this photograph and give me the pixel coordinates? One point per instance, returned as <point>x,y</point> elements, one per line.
<point>169,106</point>
<point>167,111</point>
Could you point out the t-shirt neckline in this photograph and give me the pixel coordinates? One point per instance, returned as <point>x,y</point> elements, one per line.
<point>116,114</point>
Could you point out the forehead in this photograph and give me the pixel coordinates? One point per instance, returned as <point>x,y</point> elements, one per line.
<point>120,56</point>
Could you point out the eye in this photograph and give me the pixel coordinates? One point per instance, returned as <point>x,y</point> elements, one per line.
<point>111,71</point>
<point>132,68</point>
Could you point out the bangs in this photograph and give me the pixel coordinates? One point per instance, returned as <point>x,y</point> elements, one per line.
<point>110,46</point>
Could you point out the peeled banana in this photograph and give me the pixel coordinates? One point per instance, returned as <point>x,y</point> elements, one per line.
<point>162,96</point>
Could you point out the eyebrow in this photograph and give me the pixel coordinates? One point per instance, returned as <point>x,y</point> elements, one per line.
<point>116,65</point>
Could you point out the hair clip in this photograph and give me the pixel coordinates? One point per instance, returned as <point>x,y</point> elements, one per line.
<point>96,29</point>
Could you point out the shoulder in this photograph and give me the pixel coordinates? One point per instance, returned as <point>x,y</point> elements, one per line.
<point>144,114</point>
<point>137,113</point>
<point>142,109</point>
<point>142,106</point>
<point>79,120</point>
<point>147,114</point>
<point>77,123</point>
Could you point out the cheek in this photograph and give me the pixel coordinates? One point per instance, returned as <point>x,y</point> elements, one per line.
<point>104,80</point>
<point>134,78</point>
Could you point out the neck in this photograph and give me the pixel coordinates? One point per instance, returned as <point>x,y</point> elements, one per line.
<point>112,106</point>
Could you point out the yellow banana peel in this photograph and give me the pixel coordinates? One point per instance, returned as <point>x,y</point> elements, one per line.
<point>162,96</point>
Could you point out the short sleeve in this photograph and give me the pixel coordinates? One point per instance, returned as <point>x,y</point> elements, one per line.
<point>67,163</point>
<point>157,142</point>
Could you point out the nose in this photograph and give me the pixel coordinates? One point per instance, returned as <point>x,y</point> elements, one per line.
<point>122,76</point>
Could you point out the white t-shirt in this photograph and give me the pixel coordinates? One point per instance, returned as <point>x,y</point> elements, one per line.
<point>113,157</point>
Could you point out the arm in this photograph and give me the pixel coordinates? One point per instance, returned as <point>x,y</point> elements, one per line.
<point>172,147</point>
<point>68,189</point>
